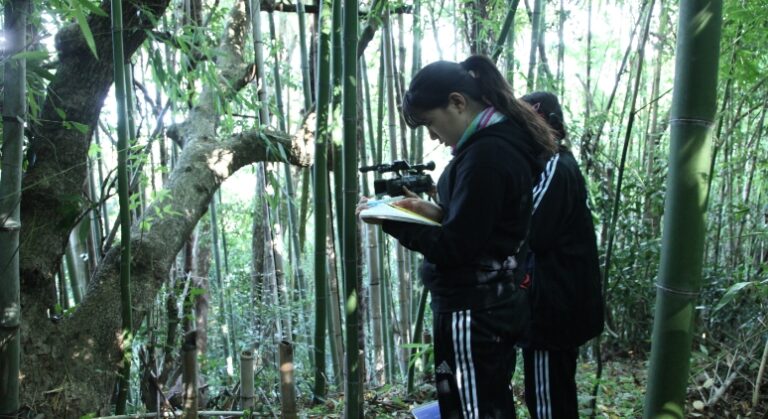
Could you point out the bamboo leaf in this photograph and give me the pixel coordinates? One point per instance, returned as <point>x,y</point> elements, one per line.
<point>82,128</point>
<point>730,294</point>
<point>92,7</point>
<point>94,150</point>
<point>39,55</point>
<point>156,63</point>
<point>87,34</point>
<point>61,113</point>
<point>40,72</point>
<point>84,229</point>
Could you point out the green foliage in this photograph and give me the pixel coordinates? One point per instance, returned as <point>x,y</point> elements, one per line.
<point>178,61</point>
<point>422,351</point>
<point>78,10</point>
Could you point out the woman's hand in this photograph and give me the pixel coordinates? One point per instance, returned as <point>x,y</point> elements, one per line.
<point>361,205</point>
<point>413,203</point>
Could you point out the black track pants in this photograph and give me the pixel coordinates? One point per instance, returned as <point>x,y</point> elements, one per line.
<point>475,360</point>
<point>550,383</point>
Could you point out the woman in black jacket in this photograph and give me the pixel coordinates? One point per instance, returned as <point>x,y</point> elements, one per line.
<point>566,296</point>
<point>471,259</point>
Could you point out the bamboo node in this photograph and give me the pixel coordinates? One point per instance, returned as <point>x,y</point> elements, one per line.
<point>676,291</point>
<point>706,123</point>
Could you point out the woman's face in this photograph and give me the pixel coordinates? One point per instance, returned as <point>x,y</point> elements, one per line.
<point>447,124</point>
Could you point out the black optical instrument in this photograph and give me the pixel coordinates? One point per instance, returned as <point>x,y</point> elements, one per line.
<point>412,177</point>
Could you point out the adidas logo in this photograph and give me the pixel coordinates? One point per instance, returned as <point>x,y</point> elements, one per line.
<point>444,368</point>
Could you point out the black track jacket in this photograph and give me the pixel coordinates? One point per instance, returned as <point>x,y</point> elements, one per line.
<point>566,293</point>
<point>485,194</point>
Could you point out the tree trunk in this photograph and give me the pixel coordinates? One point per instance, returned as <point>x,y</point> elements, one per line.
<point>77,91</point>
<point>201,268</point>
<point>85,341</point>
<point>693,110</point>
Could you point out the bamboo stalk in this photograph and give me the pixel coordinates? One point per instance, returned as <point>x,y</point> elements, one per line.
<point>94,236</point>
<point>417,135</point>
<point>591,145</point>
<point>334,302</point>
<point>74,270</point>
<point>189,375</point>
<point>61,280</point>
<point>509,19</point>
<point>305,80</point>
<point>307,93</point>
<point>258,252</point>
<point>680,271</point>
<point>292,233</point>
<point>560,78</point>
<point>376,306</point>
<point>760,373</point>
<point>387,337</point>
<point>609,233</point>
<point>246,380</point>
<point>588,129</point>
<point>287,383</point>
<point>14,114</point>
<point>403,282</point>
<point>417,333</point>
<point>281,287</point>
<point>376,150</point>
<point>354,388</point>
<point>320,172</point>
<point>535,33</point>
<point>258,47</point>
<point>123,143</point>
<point>390,78</point>
<point>222,312</point>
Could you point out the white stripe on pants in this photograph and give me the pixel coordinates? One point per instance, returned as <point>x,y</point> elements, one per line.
<point>465,369</point>
<point>543,401</point>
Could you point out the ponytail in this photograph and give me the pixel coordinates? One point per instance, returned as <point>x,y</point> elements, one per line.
<point>478,79</point>
<point>494,90</point>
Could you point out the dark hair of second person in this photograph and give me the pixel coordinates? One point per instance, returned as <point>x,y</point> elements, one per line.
<point>478,79</point>
<point>548,107</point>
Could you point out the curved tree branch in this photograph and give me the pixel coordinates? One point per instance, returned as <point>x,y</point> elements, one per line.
<point>78,356</point>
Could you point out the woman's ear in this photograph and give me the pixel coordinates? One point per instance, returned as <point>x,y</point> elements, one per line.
<point>458,100</point>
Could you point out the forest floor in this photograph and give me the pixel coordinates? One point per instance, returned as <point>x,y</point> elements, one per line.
<point>621,395</point>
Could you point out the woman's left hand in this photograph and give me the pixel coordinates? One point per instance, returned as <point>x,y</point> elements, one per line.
<point>361,205</point>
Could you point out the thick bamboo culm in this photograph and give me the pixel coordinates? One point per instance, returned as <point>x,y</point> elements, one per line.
<point>287,383</point>
<point>246,380</point>
<point>189,375</point>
